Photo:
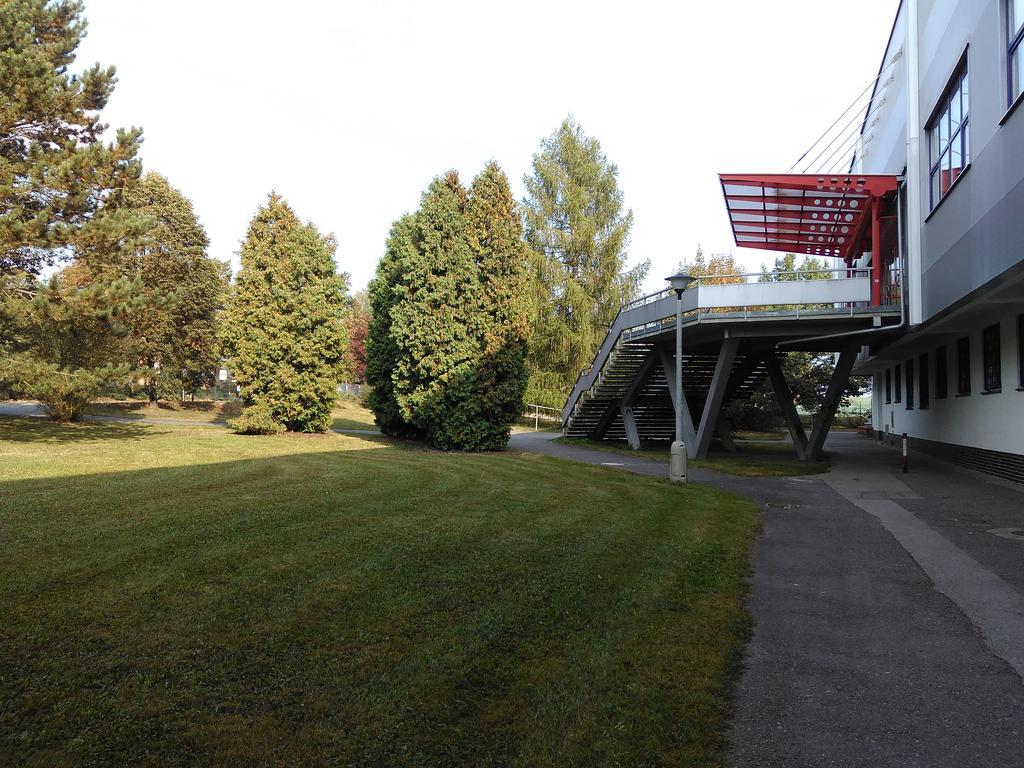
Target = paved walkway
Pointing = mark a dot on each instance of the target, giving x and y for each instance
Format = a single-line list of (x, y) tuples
[(887, 618)]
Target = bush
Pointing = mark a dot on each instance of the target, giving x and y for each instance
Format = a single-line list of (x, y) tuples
[(256, 420)]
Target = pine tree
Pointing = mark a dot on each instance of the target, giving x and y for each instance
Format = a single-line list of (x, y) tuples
[(578, 235), (63, 339), (496, 236), (55, 172), (381, 347), (283, 329), (175, 340)]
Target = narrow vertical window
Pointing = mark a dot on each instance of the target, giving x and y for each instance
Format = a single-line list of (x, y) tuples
[(963, 366), (941, 373), (948, 145), (1020, 351), (910, 384), (991, 358), (1014, 49), (923, 389), (897, 390), (888, 383)]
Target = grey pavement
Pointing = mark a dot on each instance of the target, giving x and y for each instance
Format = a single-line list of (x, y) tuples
[(885, 615)]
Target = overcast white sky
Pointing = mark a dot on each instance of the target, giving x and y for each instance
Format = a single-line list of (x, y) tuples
[(349, 109)]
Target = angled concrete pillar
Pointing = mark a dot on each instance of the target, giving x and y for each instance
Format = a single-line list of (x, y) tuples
[(836, 387), (689, 433), (716, 395), (629, 423), (785, 399)]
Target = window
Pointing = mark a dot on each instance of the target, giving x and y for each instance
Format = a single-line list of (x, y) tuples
[(898, 388), (1020, 351), (963, 366), (941, 374), (923, 392), (948, 144), (910, 385), (1015, 51), (888, 383), (991, 361)]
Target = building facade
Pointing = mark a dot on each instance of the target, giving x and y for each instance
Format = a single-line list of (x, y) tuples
[(953, 378)]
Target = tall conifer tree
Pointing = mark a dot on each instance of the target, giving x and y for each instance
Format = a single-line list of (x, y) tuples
[(578, 235), (55, 172), (283, 329), (381, 347), (175, 338), (447, 341), (496, 235)]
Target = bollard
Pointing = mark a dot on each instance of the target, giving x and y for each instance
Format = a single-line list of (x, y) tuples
[(904, 453)]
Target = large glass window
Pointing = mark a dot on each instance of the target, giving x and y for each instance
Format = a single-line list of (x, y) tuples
[(923, 393), (897, 390), (991, 358), (888, 383), (1015, 51), (948, 140), (963, 366), (941, 373)]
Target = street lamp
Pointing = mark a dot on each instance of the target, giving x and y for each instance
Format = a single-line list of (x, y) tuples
[(677, 459)]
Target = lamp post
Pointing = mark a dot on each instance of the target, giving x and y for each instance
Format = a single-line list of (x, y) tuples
[(677, 459)]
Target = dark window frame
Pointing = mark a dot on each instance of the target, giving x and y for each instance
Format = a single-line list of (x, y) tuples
[(923, 385), (888, 383), (957, 87), (897, 388), (1020, 351), (963, 367), (1015, 36), (909, 365), (991, 359), (941, 372)]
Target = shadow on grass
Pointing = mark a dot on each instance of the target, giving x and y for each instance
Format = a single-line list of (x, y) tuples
[(35, 429), (365, 607), (214, 411)]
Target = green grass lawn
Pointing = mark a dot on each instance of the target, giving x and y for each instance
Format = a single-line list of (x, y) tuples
[(180, 595), (773, 459), (348, 412)]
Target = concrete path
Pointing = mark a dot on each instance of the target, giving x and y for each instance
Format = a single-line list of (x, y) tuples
[(885, 614)]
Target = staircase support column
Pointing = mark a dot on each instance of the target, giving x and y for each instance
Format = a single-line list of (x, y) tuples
[(716, 394), (836, 387), (689, 434), (629, 423), (785, 399)]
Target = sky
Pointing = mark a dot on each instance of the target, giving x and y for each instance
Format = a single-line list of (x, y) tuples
[(349, 109)]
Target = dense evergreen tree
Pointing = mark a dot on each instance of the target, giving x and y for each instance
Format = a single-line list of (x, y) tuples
[(578, 234), (496, 236), (174, 340), (382, 351), (283, 329), (448, 334), (63, 339), (55, 173), (437, 322)]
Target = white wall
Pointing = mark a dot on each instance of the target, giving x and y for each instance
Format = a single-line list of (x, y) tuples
[(994, 421)]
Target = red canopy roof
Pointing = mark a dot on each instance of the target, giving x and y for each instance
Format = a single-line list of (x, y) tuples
[(802, 213)]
